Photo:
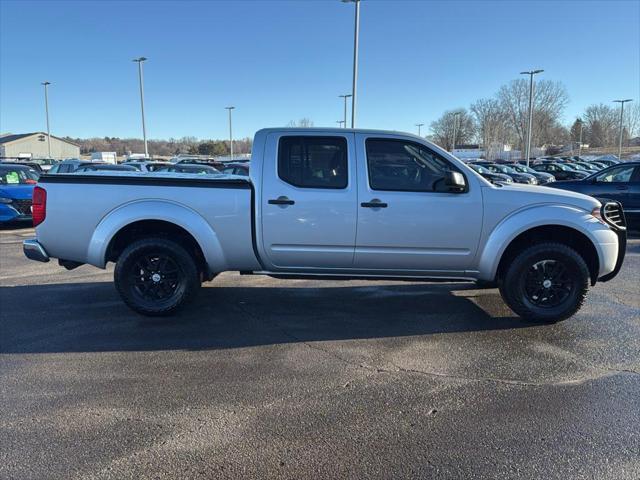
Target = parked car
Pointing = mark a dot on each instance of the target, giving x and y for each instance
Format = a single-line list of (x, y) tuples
[(542, 177), (238, 168), (16, 190), (45, 163), (489, 175), (508, 170), (148, 166), (71, 165), (560, 170), (212, 162), (30, 164), (608, 160), (619, 182), (189, 168), (104, 167), (403, 208), (598, 165)]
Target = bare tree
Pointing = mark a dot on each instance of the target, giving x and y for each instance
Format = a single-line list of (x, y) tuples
[(602, 123), (492, 127), (443, 128), (302, 123), (549, 101), (632, 120)]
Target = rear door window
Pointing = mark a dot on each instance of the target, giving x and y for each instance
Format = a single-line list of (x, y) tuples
[(313, 162)]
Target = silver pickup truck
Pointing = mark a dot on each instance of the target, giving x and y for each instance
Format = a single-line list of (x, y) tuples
[(331, 203)]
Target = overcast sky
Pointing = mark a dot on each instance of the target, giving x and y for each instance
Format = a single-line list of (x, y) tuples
[(278, 61)]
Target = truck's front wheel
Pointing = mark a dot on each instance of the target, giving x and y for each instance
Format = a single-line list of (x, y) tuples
[(547, 282), (156, 277)]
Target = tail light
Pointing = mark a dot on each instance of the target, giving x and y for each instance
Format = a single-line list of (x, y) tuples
[(39, 205)]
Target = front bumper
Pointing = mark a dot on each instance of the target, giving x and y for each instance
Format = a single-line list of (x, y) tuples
[(618, 224), (34, 251)]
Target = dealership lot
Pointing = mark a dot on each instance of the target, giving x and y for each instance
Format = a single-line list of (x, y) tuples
[(293, 379)]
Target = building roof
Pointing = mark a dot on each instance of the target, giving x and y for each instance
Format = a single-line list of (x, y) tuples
[(18, 136)]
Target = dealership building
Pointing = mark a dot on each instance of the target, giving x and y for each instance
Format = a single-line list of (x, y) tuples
[(35, 145)]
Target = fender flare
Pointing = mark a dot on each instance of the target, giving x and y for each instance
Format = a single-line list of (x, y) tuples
[(539, 216), (162, 210)]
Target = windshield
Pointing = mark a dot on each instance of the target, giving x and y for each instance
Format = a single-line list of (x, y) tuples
[(479, 169), (524, 169), (18, 176)]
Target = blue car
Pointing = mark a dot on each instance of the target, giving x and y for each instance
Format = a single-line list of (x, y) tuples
[(16, 190)]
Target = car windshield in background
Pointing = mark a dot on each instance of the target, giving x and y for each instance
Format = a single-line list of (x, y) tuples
[(480, 169), (523, 169), (17, 176)]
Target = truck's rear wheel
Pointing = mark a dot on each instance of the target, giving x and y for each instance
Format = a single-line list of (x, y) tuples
[(547, 282), (156, 277)]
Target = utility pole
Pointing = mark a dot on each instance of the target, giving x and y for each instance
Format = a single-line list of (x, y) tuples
[(144, 128), (354, 86), (621, 102), (419, 125), (230, 131), (46, 109), (528, 145), (345, 107), (580, 138)]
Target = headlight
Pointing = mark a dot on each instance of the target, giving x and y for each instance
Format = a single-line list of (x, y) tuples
[(533, 181), (5, 200)]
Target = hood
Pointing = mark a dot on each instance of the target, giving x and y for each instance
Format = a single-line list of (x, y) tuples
[(17, 192), (515, 196)]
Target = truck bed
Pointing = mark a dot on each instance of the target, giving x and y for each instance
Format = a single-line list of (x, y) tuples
[(84, 211)]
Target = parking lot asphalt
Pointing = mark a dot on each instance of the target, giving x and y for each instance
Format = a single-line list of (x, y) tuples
[(265, 378)]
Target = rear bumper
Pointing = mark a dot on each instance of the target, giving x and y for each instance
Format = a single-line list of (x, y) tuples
[(34, 251)]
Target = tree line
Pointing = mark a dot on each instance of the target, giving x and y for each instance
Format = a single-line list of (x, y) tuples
[(503, 118), (164, 148)]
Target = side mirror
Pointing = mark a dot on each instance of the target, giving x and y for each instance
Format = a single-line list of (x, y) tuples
[(454, 181)]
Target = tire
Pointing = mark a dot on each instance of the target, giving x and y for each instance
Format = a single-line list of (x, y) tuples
[(546, 283), (156, 277)]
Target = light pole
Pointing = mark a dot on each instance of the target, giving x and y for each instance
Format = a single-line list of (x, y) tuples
[(580, 138), (356, 34), (621, 102), (455, 130), (144, 127), (230, 131), (345, 107), (528, 145), (46, 109), (340, 123), (419, 125)]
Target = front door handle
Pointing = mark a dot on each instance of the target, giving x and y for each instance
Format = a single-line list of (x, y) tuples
[(375, 203), (282, 200)]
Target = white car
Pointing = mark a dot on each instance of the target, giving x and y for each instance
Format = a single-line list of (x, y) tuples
[(332, 203)]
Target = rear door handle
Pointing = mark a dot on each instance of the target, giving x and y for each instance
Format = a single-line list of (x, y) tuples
[(281, 201), (375, 203)]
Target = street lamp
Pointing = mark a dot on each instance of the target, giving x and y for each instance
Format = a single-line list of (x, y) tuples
[(46, 109), (531, 74), (580, 137), (621, 102), (419, 125), (144, 128), (356, 34), (345, 107), (230, 131), (455, 130), (340, 123)]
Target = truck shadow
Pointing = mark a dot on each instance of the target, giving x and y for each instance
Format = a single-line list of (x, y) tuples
[(89, 317)]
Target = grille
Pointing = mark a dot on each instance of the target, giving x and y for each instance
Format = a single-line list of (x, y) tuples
[(22, 206), (613, 215)]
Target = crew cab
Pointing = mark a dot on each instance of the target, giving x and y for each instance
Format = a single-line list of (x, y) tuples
[(331, 204)]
